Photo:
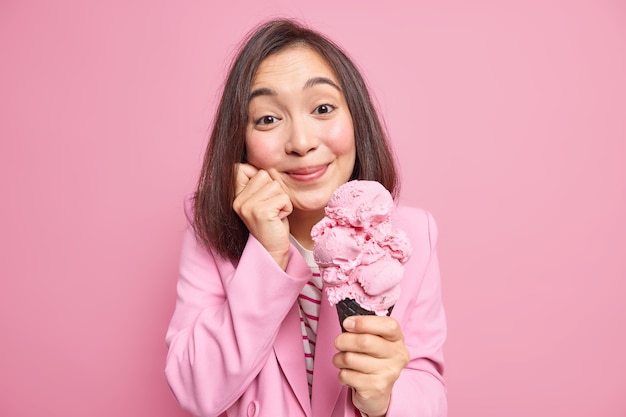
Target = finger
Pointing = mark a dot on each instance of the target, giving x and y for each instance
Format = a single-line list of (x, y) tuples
[(276, 176), (261, 187), (355, 361), (383, 326), (359, 381), (244, 172), (350, 378), (263, 199), (270, 203), (365, 343), (286, 208), (248, 189)]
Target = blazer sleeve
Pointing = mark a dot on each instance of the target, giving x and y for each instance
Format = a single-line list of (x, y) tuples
[(225, 322), (420, 391)]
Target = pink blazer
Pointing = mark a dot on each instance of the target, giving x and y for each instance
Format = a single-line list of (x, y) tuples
[(235, 342)]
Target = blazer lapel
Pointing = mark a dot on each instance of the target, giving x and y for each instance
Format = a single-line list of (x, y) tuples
[(287, 345), (326, 388)]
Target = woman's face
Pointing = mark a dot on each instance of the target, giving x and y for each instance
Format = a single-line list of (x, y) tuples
[(299, 127)]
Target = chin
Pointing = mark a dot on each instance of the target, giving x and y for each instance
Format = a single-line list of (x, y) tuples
[(310, 206), (312, 200)]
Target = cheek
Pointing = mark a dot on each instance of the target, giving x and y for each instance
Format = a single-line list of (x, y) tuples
[(340, 137), (260, 151)]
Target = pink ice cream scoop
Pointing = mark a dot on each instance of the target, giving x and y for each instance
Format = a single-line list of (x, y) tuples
[(360, 254), (360, 204)]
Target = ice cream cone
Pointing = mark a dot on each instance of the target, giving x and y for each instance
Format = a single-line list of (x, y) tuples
[(348, 307)]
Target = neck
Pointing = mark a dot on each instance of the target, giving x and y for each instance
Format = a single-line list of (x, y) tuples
[(300, 224)]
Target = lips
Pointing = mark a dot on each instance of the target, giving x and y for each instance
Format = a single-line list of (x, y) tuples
[(308, 173)]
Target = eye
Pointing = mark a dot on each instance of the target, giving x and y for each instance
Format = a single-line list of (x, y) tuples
[(323, 109), (266, 120)]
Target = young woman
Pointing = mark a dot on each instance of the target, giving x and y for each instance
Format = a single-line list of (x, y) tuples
[(252, 334)]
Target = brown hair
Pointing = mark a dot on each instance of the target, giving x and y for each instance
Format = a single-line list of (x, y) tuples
[(215, 222)]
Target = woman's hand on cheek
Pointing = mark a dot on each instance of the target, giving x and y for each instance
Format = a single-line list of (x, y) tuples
[(263, 206), (371, 356)]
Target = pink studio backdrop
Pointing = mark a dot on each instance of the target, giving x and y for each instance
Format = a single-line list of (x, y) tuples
[(509, 121)]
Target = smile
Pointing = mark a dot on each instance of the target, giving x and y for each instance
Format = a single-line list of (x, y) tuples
[(308, 173)]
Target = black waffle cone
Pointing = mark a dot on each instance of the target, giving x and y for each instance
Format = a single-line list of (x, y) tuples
[(348, 307)]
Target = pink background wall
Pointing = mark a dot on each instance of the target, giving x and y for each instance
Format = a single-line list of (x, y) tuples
[(509, 120)]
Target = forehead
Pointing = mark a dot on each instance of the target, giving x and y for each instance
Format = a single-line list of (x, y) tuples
[(293, 62)]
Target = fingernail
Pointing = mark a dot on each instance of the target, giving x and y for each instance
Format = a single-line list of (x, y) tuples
[(348, 323)]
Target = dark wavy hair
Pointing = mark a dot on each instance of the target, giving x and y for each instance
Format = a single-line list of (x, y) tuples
[(215, 222)]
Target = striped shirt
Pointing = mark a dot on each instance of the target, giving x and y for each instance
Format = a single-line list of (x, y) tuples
[(309, 302)]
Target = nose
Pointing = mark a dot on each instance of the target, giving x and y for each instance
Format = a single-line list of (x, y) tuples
[(302, 138)]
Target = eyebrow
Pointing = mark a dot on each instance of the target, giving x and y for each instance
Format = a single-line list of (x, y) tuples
[(309, 84), (320, 80), (262, 92)]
